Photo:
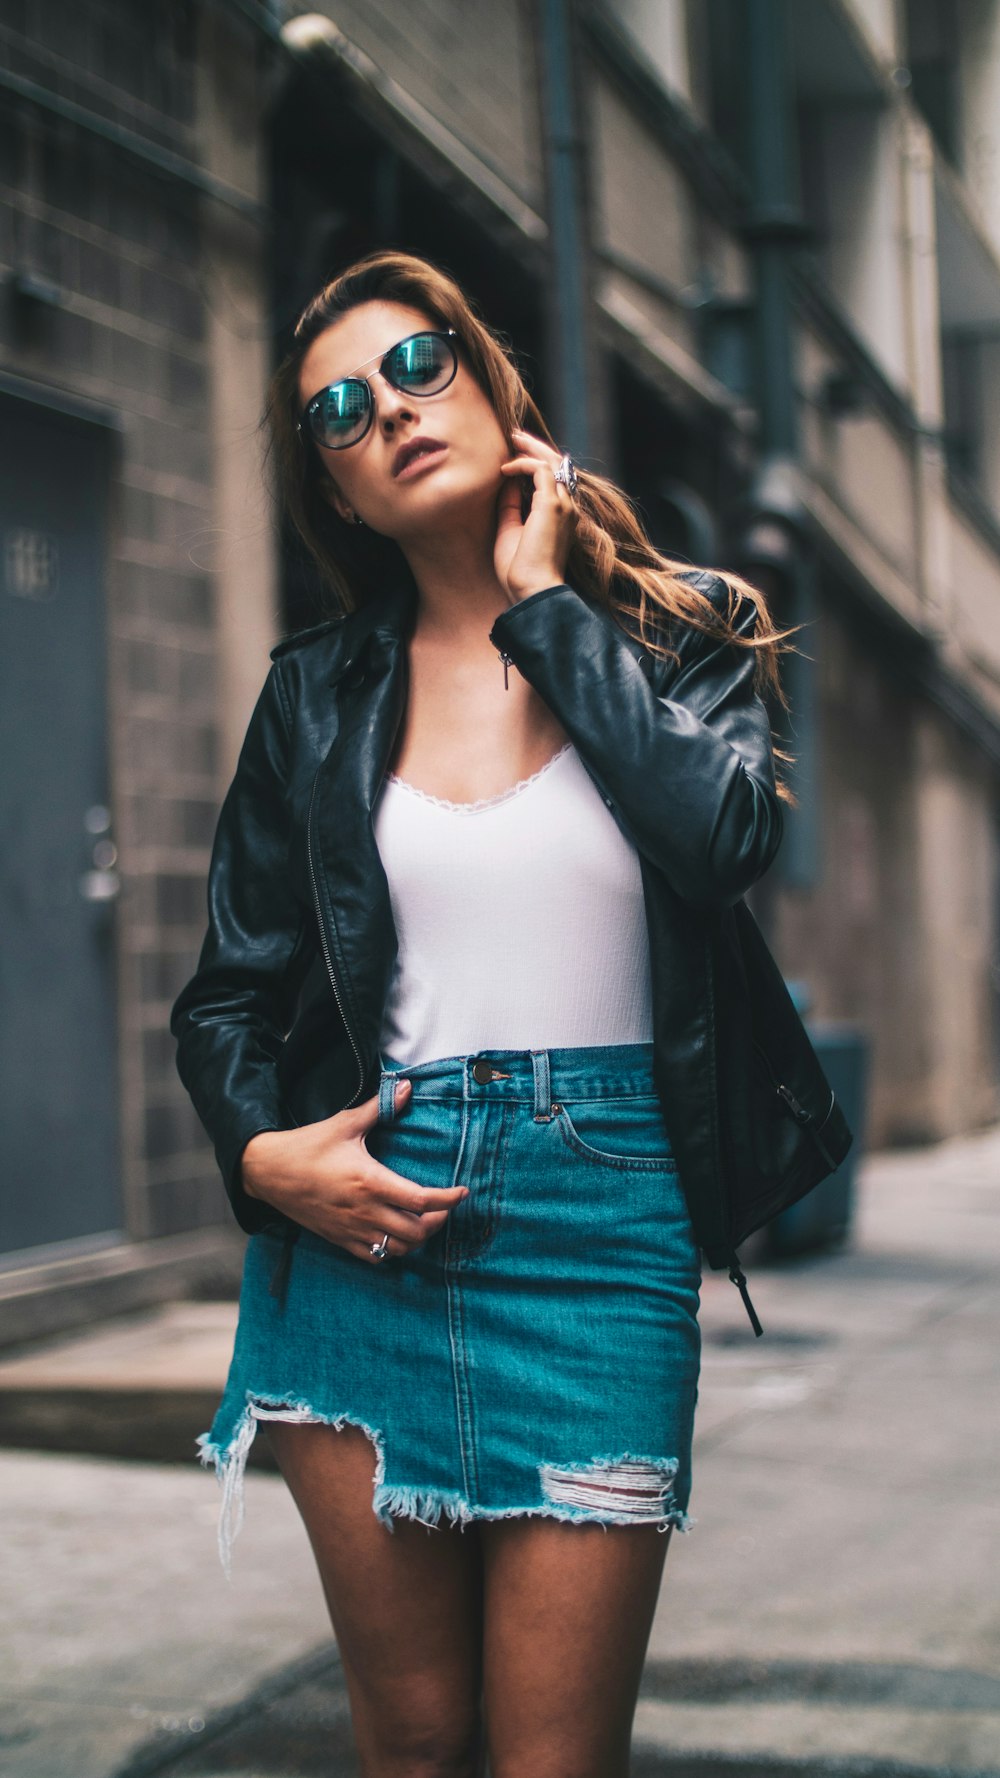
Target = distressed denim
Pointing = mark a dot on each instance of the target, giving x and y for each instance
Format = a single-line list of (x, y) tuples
[(540, 1353)]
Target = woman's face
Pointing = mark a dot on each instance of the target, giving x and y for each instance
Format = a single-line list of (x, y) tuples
[(458, 481)]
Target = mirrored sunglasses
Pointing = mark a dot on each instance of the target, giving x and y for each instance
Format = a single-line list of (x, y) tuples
[(342, 413)]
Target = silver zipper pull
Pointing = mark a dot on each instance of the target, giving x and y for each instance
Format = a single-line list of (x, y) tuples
[(799, 1112)]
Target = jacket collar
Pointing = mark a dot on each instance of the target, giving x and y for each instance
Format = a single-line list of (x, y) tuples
[(390, 614)]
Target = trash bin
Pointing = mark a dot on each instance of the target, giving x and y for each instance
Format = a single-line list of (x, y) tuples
[(823, 1217)]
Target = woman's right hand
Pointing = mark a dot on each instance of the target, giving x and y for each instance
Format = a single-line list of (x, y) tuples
[(322, 1176)]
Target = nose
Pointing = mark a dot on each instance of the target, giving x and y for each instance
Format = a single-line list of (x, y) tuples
[(391, 405)]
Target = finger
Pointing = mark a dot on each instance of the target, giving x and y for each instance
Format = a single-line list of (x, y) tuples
[(400, 1241), (416, 1227), (405, 1230), (362, 1250), (401, 1224), (403, 1194), (539, 444), (541, 473), (526, 464), (551, 459), (356, 1249), (550, 455)]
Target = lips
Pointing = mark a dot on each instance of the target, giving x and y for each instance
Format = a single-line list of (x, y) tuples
[(415, 448)]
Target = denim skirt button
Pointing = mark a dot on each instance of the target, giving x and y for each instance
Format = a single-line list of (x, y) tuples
[(482, 1072)]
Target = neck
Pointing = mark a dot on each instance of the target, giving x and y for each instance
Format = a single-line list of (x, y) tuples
[(458, 593)]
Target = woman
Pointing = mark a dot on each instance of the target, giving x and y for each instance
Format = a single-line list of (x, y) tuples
[(424, 1028)]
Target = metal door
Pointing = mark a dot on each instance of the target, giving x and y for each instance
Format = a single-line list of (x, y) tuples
[(59, 1169)]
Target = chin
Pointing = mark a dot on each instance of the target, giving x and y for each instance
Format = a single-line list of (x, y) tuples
[(445, 495)]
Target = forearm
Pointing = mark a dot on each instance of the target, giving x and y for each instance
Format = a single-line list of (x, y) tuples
[(234, 1089), (230, 1019)]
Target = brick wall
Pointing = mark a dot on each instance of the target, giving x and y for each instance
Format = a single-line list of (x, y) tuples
[(128, 327)]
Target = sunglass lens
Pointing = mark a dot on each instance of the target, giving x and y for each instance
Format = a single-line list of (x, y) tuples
[(422, 364), (340, 414)]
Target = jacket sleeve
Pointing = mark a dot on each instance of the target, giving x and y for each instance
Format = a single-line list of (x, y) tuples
[(688, 774), (231, 1018)]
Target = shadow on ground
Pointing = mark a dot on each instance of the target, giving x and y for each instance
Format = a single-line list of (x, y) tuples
[(297, 1724)]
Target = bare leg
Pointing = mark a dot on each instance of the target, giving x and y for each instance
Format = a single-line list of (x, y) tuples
[(406, 1609), (567, 1615)]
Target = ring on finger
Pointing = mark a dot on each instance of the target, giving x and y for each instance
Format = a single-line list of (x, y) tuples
[(566, 473), (379, 1249)]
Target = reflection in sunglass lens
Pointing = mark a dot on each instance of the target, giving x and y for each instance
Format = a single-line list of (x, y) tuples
[(340, 412), (420, 362)]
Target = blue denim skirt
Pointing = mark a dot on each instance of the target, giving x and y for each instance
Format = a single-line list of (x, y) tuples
[(540, 1353)]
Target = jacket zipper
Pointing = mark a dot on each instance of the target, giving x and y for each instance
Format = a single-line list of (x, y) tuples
[(326, 949), (737, 1275), (798, 1110), (801, 1116), (282, 1270)]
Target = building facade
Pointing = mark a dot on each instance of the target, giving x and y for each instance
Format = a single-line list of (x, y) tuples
[(749, 255)]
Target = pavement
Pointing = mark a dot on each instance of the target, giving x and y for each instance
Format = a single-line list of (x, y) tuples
[(835, 1609)]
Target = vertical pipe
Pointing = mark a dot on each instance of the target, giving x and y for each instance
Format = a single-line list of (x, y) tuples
[(773, 222), (773, 229), (568, 299)]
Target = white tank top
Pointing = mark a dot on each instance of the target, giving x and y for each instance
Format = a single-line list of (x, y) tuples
[(520, 918)]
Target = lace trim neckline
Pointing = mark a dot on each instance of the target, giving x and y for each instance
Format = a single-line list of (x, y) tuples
[(482, 802)]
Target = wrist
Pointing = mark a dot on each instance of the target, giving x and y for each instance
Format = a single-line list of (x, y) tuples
[(254, 1163), (536, 583)]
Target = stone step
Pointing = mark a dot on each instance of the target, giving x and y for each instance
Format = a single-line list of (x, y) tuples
[(57, 1290), (141, 1386)]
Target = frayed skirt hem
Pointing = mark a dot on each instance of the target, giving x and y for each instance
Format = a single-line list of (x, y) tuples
[(425, 1506)]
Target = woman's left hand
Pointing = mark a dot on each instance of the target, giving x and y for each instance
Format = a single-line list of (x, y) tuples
[(532, 553)]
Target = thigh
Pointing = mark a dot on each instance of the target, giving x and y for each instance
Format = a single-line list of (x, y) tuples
[(568, 1609), (405, 1603)]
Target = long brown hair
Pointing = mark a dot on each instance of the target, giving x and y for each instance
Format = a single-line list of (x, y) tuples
[(611, 559)]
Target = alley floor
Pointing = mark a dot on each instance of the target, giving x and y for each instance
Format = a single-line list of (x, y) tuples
[(835, 1609)]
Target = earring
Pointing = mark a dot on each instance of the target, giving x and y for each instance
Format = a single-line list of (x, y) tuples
[(358, 520)]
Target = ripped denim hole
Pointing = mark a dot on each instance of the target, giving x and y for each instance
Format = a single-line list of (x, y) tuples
[(622, 1490)]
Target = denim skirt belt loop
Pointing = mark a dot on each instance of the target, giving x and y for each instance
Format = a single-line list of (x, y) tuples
[(539, 1354)]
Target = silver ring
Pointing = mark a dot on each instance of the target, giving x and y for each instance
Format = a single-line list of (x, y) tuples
[(566, 473), (379, 1249)]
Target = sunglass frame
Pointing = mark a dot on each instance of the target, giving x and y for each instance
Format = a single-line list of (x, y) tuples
[(304, 425)]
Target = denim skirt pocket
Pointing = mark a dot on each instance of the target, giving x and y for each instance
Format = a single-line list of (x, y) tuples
[(626, 1132)]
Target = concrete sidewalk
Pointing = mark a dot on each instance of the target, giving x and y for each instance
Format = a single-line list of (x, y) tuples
[(839, 1597), (835, 1609)]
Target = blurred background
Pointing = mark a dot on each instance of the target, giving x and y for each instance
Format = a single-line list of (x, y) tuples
[(748, 255)]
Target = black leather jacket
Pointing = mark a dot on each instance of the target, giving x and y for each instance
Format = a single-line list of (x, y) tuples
[(280, 1024)]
